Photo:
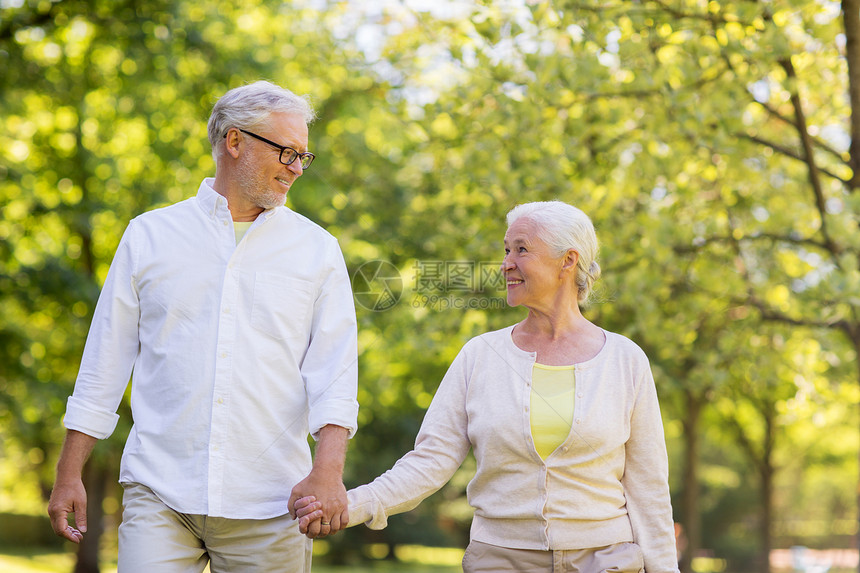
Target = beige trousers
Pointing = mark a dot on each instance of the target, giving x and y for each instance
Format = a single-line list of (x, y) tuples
[(156, 539), (618, 558)]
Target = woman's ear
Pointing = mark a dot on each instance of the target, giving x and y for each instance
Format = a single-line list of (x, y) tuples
[(571, 258)]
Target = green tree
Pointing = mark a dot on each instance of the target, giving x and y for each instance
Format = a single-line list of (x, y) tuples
[(712, 144), (742, 119), (104, 109)]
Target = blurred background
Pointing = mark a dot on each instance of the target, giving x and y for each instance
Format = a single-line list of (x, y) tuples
[(713, 143)]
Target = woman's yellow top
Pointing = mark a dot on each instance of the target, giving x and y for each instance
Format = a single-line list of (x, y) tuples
[(551, 406)]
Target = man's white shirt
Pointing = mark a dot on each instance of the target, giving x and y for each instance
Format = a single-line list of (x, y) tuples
[(237, 352)]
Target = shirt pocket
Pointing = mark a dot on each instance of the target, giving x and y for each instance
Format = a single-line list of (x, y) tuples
[(281, 306)]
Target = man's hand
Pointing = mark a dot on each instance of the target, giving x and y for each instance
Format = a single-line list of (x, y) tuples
[(69, 498), (325, 485), (332, 504)]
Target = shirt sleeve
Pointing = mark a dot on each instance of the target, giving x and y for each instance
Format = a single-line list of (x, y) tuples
[(441, 446), (646, 481), (330, 365), (110, 351)]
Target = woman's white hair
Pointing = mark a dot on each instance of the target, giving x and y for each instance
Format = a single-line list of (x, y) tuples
[(563, 227), (250, 105)]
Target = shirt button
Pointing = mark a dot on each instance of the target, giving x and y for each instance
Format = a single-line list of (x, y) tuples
[(579, 420), (579, 395), (227, 310), (220, 400)]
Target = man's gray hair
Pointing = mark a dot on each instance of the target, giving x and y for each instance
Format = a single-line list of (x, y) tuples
[(562, 227), (248, 106)]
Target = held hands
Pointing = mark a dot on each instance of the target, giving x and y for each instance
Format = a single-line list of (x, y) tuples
[(323, 486), (309, 512), (320, 505)]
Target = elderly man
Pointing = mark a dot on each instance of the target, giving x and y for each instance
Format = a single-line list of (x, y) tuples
[(235, 315)]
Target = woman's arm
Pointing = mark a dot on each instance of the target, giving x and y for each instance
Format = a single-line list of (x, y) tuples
[(440, 447), (646, 481)]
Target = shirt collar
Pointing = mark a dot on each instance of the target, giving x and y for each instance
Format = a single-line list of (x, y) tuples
[(211, 201)]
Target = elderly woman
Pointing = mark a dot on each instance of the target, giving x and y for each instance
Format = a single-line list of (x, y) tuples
[(563, 418)]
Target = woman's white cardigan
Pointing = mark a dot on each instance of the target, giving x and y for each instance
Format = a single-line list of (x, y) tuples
[(607, 483)]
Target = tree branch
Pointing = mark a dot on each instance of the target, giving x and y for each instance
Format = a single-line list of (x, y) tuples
[(746, 444), (714, 18), (28, 20), (680, 249), (770, 314), (818, 143), (851, 20), (803, 132), (782, 150), (658, 91)]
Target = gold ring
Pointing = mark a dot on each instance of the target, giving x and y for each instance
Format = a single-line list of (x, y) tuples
[(324, 523)]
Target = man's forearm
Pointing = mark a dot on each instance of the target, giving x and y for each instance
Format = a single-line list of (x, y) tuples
[(69, 496), (330, 454), (77, 447)]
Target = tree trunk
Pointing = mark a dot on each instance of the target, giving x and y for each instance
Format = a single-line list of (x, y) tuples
[(767, 471), (854, 334), (851, 23), (691, 534), (766, 518), (95, 481), (856, 340)]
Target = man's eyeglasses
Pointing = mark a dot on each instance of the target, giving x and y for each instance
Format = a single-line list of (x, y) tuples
[(288, 154)]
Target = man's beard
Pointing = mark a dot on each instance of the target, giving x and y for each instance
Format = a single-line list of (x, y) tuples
[(254, 187), (265, 198)]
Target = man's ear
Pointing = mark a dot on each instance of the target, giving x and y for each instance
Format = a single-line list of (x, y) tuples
[(231, 142)]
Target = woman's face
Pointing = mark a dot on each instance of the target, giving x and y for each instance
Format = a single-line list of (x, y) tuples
[(532, 274)]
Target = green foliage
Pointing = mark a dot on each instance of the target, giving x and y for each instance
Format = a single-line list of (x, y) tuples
[(729, 246), (28, 531)]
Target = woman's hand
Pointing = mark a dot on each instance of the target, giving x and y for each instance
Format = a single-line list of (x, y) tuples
[(307, 510)]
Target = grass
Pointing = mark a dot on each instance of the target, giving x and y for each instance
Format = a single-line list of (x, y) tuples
[(36, 560), (33, 560), (388, 568)]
